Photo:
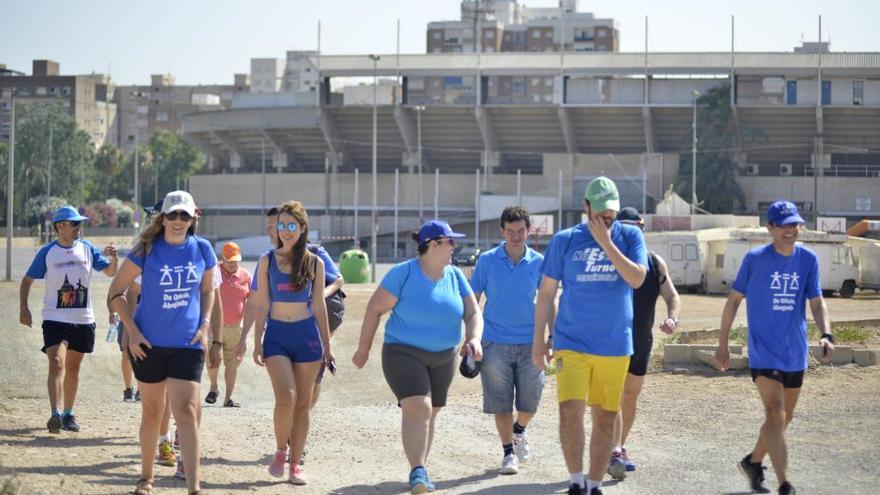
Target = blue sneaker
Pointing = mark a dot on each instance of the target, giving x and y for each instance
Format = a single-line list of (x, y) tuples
[(616, 468), (68, 423), (419, 482), (629, 463)]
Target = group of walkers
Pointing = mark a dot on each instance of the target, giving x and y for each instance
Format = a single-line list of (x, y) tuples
[(194, 308)]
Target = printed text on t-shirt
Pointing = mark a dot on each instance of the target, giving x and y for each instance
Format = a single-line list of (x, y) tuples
[(177, 289), (784, 287), (598, 267)]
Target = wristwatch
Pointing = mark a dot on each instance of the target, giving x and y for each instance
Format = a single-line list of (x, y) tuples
[(827, 336)]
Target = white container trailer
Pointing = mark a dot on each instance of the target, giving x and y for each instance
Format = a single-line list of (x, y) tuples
[(683, 256), (867, 255)]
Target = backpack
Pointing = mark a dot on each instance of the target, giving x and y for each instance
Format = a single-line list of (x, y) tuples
[(335, 302)]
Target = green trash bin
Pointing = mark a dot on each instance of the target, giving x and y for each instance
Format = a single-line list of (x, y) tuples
[(354, 265)]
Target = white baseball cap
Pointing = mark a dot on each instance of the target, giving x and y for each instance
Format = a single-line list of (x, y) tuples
[(179, 200)]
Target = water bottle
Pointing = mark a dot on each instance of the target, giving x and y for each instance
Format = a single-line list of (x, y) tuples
[(113, 331)]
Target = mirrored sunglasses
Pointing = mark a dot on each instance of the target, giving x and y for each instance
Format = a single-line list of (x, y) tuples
[(290, 227)]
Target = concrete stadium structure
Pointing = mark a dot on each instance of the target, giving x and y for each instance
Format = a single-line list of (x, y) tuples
[(627, 115)]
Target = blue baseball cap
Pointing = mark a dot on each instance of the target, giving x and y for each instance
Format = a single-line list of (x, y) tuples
[(435, 229), (67, 214), (783, 213)]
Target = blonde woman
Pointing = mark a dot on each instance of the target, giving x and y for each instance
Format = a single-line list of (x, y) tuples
[(168, 333), (290, 293)]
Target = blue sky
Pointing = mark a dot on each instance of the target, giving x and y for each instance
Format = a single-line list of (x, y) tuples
[(202, 41)]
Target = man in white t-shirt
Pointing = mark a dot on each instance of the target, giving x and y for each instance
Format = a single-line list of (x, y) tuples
[(66, 264)]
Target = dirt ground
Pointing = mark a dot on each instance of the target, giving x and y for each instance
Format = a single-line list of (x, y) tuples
[(693, 426)]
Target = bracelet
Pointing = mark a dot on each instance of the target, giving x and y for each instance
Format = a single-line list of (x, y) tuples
[(217, 342), (828, 337), (116, 295)]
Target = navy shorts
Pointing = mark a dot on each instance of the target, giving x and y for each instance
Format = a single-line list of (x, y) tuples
[(79, 337), (299, 341), (788, 379)]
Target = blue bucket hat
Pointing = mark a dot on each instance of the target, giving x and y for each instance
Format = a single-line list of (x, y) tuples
[(67, 214), (783, 213), (435, 229)]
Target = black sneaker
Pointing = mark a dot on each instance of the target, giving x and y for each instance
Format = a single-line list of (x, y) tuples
[(68, 422), (128, 395), (54, 424), (137, 396), (231, 403), (575, 489), (754, 472), (786, 489), (596, 491)]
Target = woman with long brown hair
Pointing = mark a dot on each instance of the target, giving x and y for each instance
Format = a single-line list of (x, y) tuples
[(290, 293), (167, 335)]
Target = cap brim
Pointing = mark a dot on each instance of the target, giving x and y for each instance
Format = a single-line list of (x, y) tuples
[(78, 218), (455, 234), (237, 257), (791, 219)]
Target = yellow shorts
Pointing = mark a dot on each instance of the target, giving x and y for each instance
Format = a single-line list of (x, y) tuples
[(578, 373), (231, 338)]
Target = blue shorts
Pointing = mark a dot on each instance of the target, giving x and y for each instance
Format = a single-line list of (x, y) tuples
[(509, 376), (299, 341)]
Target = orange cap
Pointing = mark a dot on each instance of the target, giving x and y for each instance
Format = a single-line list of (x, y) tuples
[(231, 251)]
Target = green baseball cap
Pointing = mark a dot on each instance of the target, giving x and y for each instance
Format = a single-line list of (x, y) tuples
[(602, 194)]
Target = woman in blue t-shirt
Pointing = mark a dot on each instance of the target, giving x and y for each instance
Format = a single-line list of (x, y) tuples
[(168, 333), (290, 279), (428, 299)]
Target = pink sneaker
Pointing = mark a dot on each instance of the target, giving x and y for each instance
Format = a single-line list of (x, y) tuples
[(298, 475), (276, 469)]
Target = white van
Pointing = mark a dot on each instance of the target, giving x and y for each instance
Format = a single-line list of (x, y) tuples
[(683, 256)]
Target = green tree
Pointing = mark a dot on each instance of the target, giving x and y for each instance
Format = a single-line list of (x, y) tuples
[(173, 160), (719, 139)]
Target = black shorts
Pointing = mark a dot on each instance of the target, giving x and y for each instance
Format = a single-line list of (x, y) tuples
[(643, 341), (788, 379), (79, 337), (411, 371), (169, 362)]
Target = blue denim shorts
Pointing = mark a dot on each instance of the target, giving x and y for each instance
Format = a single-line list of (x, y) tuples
[(299, 341), (509, 376)]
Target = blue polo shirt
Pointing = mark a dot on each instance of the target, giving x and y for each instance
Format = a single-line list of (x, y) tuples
[(509, 315), (595, 311), (777, 289)]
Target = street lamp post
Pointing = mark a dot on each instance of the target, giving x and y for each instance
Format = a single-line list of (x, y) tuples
[(137, 192), (10, 179), (419, 109), (694, 157), (375, 58)]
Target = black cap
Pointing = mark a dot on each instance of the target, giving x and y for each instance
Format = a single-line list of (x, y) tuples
[(469, 367), (630, 215)]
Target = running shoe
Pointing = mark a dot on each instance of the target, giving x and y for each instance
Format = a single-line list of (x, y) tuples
[(754, 472), (276, 469), (575, 489), (521, 447), (510, 464), (166, 454), (137, 396), (128, 395), (616, 468), (596, 491), (786, 489), (54, 423), (297, 475), (68, 423), (180, 473), (212, 396), (419, 482), (231, 403), (629, 463)]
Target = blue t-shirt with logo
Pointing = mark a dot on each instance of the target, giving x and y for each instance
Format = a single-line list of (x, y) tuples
[(777, 288), (509, 314), (427, 314), (169, 313), (595, 310)]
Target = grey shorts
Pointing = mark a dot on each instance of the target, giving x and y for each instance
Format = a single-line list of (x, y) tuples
[(510, 378), (411, 371)]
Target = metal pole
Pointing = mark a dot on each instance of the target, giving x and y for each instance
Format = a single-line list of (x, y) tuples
[(156, 184), (357, 240), (436, 193), (398, 93), (263, 174), (49, 179), (820, 158), (319, 91), (694, 158), (421, 182), (518, 187), (559, 194), (477, 210), (375, 224), (396, 200), (10, 187), (644, 191)]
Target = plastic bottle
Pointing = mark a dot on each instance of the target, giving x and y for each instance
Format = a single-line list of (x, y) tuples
[(113, 331)]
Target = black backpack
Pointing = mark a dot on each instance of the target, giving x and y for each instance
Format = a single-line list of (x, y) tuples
[(335, 303)]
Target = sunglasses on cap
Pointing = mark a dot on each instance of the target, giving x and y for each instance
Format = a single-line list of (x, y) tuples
[(174, 215), (290, 227)]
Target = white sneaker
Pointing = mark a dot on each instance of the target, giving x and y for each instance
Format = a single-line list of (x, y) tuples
[(510, 464), (521, 447)]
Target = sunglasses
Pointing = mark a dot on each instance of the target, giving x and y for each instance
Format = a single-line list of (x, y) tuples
[(290, 227), (174, 215), (73, 223)]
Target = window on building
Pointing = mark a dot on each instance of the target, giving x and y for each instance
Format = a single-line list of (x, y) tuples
[(161, 116), (437, 35), (858, 92), (548, 81), (24, 91), (53, 90), (490, 35), (536, 81), (601, 32), (548, 34), (40, 91), (65, 91), (536, 34)]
